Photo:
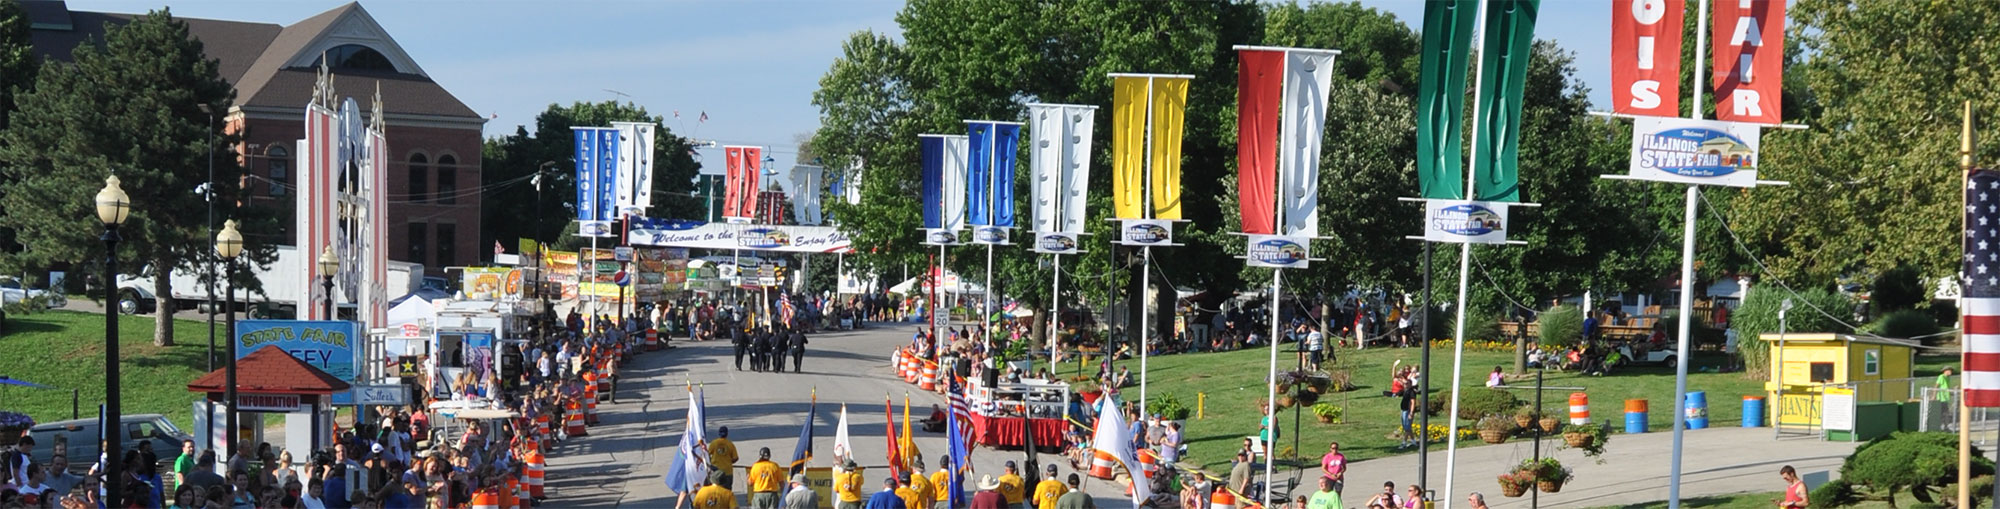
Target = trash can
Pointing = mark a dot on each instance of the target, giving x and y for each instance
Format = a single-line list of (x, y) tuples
[(1696, 410), (1635, 416), (1753, 411)]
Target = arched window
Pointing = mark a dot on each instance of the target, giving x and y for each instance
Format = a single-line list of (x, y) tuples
[(280, 169), (420, 174), (355, 56), (447, 188)]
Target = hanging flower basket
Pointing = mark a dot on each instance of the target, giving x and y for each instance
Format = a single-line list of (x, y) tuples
[(1517, 483), (1549, 486), (1493, 436), (1577, 439)]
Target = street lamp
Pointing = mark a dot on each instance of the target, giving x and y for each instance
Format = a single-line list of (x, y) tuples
[(113, 206), (328, 265), (229, 244), (1778, 428)]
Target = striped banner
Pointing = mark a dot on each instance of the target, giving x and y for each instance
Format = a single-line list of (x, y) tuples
[(1981, 305)]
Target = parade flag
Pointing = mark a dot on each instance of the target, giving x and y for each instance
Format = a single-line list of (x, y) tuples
[(1646, 57), (895, 449), (1982, 289), (1111, 437), (955, 148), (842, 449), (1749, 53), (1448, 30), (690, 466), (1259, 89), (803, 452), (961, 412), (956, 433), (1509, 45), (908, 440), (1308, 75)]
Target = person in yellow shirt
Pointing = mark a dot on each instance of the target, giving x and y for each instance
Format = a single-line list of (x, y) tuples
[(941, 482), (765, 480), (903, 490), (1011, 485), (926, 493), (715, 494), (1049, 490), (722, 452), (847, 487)]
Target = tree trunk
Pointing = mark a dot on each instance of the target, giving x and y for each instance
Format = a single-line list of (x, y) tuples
[(163, 303), (1521, 351)]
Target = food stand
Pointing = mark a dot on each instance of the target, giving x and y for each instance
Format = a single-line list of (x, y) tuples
[(1000, 414)]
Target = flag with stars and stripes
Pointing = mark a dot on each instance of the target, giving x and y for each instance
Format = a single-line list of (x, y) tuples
[(1981, 302), (961, 412)]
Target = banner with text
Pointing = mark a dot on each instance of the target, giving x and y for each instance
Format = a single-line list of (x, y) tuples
[(1146, 232), (1689, 151), (1460, 221), (1277, 251), (698, 234), (324, 344), (1646, 57), (1055, 243)]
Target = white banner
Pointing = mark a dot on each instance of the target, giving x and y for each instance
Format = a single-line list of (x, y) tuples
[(955, 158), (851, 184), (806, 183), (940, 237), (635, 166), (1055, 243), (1076, 175), (1460, 221), (1146, 232), (696, 234), (1277, 251), (1060, 159), (1045, 163), (989, 235), (1307, 78), (1689, 151)]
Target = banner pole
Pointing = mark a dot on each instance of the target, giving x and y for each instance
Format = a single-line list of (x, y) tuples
[(1271, 390), (1145, 321), (1055, 309), (1965, 163), (1687, 272), (986, 301), (1464, 268)]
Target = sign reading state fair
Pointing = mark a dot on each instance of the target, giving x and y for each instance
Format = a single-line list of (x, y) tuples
[(1460, 221), (1145, 232), (1690, 151), (1055, 243), (1277, 251)]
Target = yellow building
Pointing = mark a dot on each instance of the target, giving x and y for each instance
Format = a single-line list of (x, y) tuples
[(1806, 366)]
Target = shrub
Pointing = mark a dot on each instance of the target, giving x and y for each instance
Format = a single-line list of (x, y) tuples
[(1896, 290), (1328, 410), (1835, 493), (1913, 461), (1759, 315), (1560, 326), (1483, 401), (1168, 406), (1906, 323)]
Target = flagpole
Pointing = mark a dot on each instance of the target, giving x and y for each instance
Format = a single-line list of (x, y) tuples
[(1055, 310), (1687, 272), (1464, 268), (1965, 163), (1146, 271), (1271, 386)]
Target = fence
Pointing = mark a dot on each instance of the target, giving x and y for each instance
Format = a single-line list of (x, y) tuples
[(1860, 410)]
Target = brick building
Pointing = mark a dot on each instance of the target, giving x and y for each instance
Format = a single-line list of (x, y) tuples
[(434, 139)]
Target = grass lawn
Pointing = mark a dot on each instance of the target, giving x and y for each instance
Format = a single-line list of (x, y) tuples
[(1765, 499), (65, 350), (1230, 383)]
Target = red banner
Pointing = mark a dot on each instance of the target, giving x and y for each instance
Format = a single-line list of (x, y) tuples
[(1749, 60), (732, 174), (1259, 91), (1646, 57), (753, 162)]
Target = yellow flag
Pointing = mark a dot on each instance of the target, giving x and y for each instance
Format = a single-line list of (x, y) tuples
[(1169, 113), (909, 442), (1128, 146)]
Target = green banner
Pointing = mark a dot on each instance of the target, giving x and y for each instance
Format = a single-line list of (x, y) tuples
[(1448, 28), (1509, 45)]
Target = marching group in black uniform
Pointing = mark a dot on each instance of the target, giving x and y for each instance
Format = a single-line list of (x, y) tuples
[(767, 347)]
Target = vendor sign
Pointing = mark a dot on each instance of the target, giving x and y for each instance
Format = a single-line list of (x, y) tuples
[(325, 344), (1690, 151)]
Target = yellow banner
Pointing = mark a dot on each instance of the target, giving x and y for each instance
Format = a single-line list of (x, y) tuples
[(1128, 146), (1169, 113)]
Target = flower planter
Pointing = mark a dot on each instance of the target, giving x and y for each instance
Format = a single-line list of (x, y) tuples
[(1523, 421), (1577, 440), (1551, 424), (1325, 419), (1549, 486), (1512, 490), (1492, 436)]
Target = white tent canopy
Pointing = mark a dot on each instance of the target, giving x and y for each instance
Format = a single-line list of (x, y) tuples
[(417, 311), (952, 284)]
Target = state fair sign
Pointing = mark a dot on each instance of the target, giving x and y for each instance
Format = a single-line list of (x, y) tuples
[(1690, 151)]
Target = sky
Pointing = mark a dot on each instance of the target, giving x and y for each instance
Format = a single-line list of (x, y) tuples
[(752, 65)]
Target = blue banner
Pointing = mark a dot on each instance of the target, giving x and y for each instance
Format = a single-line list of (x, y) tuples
[(979, 174), (1006, 143), (324, 344), (932, 169), (586, 173), (607, 173)]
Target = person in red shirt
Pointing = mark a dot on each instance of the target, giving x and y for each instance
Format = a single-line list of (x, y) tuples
[(989, 496), (1795, 490)]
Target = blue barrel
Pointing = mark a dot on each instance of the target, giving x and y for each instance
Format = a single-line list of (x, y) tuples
[(1635, 416), (1753, 411), (1695, 410)]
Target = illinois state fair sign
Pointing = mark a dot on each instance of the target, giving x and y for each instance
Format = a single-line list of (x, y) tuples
[(1146, 232), (989, 235), (1690, 151), (940, 237), (685, 233), (325, 344), (1277, 251), (1460, 221), (1055, 243)]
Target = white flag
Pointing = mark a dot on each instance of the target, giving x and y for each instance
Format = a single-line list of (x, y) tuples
[(842, 450), (851, 184), (1114, 439), (956, 150), (1045, 153), (1076, 166), (635, 166), (1308, 74), (805, 180)]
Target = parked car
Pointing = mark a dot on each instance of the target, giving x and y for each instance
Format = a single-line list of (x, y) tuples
[(81, 437), (12, 291)]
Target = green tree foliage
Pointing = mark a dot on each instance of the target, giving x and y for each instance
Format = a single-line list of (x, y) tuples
[(1905, 324), (1813, 310), (18, 66), (1912, 461), (1560, 326), (1895, 290), (512, 161), (130, 105)]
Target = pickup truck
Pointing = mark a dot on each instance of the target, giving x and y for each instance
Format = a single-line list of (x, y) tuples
[(12, 291), (280, 298)]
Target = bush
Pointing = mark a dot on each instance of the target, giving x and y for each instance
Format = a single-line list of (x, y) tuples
[(29, 305), (1759, 315), (1835, 493), (1168, 406), (1896, 290), (1906, 323), (1912, 461), (1482, 402), (1328, 410), (1560, 326)]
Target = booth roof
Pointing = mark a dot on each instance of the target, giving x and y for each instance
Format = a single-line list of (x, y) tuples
[(271, 370)]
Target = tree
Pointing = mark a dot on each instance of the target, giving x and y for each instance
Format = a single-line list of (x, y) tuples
[(130, 106), (18, 66), (512, 205)]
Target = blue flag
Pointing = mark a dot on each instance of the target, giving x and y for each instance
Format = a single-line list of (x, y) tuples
[(979, 174), (607, 173), (803, 452), (932, 148), (586, 172), (690, 464), (960, 456), (1006, 142)]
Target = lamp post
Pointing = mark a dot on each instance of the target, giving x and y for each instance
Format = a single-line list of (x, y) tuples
[(1778, 428), (229, 244), (112, 208), (328, 264)]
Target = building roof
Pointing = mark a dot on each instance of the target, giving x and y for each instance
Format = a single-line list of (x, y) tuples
[(1847, 338), (269, 63), (271, 370)]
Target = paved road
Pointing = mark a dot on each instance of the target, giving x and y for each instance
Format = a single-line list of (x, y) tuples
[(621, 463)]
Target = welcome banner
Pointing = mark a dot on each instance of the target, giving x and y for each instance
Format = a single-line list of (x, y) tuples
[(705, 235)]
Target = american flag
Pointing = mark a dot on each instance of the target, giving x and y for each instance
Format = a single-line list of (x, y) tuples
[(960, 411), (1982, 289)]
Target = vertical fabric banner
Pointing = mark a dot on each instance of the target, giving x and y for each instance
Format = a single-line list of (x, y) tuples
[(635, 166), (607, 173), (1076, 166), (931, 171), (805, 194), (1045, 164), (852, 183), (751, 170), (586, 173), (979, 174), (1982, 291), (628, 168), (1128, 146), (1448, 29), (1749, 53), (732, 163), (1259, 90), (315, 220), (1646, 57), (1509, 41), (1308, 74), (1169, 114), (1006, 155), (955, 148)]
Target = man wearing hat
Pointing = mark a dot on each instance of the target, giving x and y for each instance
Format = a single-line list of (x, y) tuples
[(715, 494), (1049, 490), (1012, 486), (989, 496), (1075, 499), (765, 481), (887, 498), (801, 496), (926, 493), (847, 486)]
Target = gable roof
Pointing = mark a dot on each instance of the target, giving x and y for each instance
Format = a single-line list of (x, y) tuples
[(271, 370), (267, 62)]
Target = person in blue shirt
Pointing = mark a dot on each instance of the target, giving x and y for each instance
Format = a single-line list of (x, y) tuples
[(1589, 325), (336, 489), (887, 499)]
